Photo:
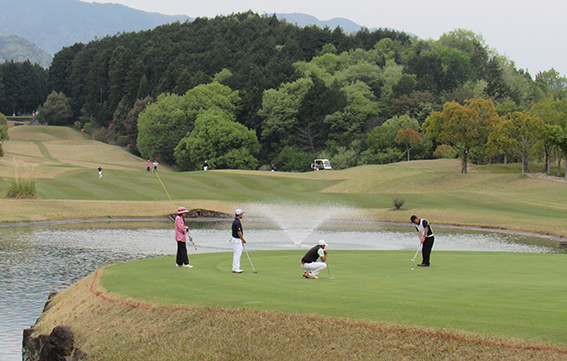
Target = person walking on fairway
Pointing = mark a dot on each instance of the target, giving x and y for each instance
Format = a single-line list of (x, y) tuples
[(148, 165), (237, 240), (309, 261), (426, 238), (99, 171), (155, 165), (181, 231)]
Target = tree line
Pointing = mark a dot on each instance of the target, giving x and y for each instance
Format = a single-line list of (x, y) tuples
[(244, 90)]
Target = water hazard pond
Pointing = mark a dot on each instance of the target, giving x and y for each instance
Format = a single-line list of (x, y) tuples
[(38, 260)]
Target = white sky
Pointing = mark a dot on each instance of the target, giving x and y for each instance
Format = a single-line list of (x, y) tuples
[(530, 32)]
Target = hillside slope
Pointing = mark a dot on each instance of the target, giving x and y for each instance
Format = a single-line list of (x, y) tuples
[(13, 47), (64, 163)]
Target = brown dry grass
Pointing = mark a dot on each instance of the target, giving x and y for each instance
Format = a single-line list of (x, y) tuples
[(22, 210), (128, 330)]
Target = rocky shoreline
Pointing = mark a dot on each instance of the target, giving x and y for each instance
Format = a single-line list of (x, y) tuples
[(57, 346)]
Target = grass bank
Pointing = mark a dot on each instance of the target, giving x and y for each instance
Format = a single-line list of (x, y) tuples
[(468, 306)]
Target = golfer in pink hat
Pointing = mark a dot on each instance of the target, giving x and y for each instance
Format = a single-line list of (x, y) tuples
[(180, 236)]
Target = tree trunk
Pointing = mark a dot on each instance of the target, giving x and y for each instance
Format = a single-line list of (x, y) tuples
[(505, 160), (465, 160), (559, 159), (547, 161)]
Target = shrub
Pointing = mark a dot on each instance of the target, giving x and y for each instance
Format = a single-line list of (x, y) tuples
[(293, 159), (445, 151), (398, 202), (344, 158), (22, 188), (104, 135)]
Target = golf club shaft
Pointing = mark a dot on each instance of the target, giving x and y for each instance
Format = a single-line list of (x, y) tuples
[(419, 246), (329, 271), (416, 252), (251, 264)]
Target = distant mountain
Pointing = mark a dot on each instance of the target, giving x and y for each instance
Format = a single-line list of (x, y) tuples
[(306, 20), (53, 24), (13, 47)]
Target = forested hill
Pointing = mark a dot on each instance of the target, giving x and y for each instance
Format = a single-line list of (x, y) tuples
[(53, 24), (13, 47), (247, 89)]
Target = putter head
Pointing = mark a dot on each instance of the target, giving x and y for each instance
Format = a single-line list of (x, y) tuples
[(331, 278), (413, 260)]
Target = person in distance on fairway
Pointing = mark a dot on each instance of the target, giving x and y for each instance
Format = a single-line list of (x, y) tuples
[(181, 231), (309, 264), (426, 237), (237, 240), (148, 165), (99, 171)]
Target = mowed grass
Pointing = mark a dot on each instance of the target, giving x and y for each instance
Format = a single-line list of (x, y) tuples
[(496, 294)]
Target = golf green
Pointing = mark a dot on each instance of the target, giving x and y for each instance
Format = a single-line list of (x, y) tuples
[(502, 294)]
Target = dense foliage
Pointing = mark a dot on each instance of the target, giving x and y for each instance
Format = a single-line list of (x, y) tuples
[(371, 97), (23, 87)]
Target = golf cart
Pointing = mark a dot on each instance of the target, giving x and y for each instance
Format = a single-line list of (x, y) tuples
[(321, 164)]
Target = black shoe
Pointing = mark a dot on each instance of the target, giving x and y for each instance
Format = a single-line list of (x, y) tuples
[(423, 265)]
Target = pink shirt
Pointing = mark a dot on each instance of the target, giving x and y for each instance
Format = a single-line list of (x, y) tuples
[(180, 229)]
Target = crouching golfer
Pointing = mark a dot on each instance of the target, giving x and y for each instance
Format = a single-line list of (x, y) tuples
[(309, 264), (426, 237), (180, 231), (237, 240)]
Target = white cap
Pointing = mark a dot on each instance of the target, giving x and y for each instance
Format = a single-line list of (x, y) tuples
[(322, 243), (239, 211)]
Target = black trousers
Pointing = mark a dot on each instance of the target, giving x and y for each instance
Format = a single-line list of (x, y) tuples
[(426, 249), (182, 257)]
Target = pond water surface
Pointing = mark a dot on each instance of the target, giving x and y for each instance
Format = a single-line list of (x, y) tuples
[(38, 260)]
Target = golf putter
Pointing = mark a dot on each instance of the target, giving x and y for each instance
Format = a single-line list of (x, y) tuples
[(418, 247), (245, 250), (328, 270)]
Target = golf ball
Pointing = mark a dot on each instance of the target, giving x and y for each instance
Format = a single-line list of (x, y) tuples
[(412, 269)]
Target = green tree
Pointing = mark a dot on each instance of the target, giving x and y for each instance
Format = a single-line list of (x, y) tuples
[(349, 123), (57, 110), (522, 132), (224, 143), (409, 139), (552, 113), (3, 132), (293, 159), (280, 110), (465, 127), (551, 82), (164, 123)]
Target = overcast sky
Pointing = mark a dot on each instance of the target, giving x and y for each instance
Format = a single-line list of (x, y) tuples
[(531, 33)]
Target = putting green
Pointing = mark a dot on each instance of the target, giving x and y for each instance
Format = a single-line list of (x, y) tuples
[(503, 294)]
